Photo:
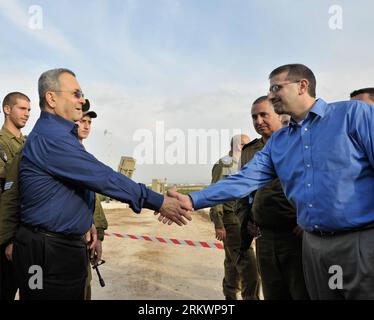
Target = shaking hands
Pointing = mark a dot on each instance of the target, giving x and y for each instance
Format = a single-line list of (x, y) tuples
[(176, 208)]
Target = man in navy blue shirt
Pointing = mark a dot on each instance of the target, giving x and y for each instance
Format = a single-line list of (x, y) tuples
[(325, 162), (58, 180)]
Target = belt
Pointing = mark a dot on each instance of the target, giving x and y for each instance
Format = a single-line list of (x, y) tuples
[(59, 235), (322, 233)]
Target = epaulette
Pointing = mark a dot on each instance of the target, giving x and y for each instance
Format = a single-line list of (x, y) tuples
[(250, 143), (226, 161)]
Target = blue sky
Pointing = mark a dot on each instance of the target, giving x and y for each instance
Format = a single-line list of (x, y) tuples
[(192, 64)]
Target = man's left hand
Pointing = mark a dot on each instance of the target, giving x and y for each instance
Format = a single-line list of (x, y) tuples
[(9, 251), (298, 231), (96, 253), (91, 237)]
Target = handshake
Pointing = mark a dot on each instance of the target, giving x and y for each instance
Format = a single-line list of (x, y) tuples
[(176, 208)]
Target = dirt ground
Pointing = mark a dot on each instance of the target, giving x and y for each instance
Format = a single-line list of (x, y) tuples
[(138, 269)]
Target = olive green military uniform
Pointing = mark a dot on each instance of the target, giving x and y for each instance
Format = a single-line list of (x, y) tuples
[(10, 145), (9, 210), (240, 274), (278, 249)]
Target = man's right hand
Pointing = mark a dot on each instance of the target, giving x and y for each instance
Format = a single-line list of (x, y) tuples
[(184, 204), (9, 251), (220, 234), (173, 210), (185, 200)]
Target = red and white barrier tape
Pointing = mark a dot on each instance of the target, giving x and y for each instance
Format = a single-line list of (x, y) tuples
[(203, 244)]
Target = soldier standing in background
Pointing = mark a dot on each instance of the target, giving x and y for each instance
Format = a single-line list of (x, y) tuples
[(100, 222), (16, 108), (241, 276)]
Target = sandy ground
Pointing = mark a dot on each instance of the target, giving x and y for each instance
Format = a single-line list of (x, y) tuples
[(138, 269)]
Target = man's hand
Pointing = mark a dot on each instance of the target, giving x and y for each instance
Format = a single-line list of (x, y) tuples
[(185, 200), (96, 253), (220, 234), (172, 210), (298, 231), (184, 203), (9, 251), (91, 237)]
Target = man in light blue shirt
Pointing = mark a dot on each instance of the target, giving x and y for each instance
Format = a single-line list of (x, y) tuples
[(325, 162)]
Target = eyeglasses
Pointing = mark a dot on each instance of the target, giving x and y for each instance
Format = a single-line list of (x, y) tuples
[(77, 93), (277, 87)]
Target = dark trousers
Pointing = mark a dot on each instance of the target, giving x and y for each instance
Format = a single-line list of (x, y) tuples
[(8, 284), (279, 258), (347, 257), (63, 263)]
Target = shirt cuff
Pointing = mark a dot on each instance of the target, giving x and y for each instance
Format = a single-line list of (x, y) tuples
[(154, 200), (100, 234), (197, 199)]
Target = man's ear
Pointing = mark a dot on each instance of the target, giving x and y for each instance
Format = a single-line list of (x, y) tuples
[(50, 98), (304, 86), (7, 109)]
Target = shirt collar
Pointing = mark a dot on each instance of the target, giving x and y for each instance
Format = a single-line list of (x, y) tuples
[(62, 123), (318, 109), (10, 135)]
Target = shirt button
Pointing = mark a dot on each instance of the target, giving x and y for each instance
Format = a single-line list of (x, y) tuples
[(306, 129), (308, 165), (316, 226), (309, 185), (310, 205), (306, 147)]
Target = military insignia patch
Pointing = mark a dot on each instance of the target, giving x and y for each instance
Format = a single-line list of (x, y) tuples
[(227, 161), (3, 155), (8, 185)]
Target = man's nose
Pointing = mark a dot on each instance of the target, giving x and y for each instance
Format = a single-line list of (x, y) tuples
[(259, 121), (271, 95)]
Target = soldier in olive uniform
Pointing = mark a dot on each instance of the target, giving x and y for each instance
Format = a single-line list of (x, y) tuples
[(240, 275), (273, 220), (16, 108), (100, 222)]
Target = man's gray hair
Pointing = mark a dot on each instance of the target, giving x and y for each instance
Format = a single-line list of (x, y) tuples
[(49, 81)]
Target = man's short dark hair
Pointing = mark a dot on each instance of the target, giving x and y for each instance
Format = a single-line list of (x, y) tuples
[(260, 100), (297, 72), (370, 91), (11, 98)]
